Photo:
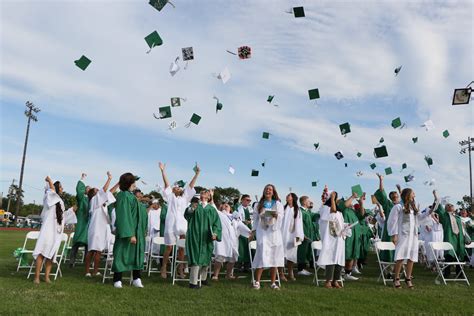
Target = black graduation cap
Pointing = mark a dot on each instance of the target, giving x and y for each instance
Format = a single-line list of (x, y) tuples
[(339, 155)]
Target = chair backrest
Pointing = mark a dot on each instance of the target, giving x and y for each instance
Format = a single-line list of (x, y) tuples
[(32, 235), (159, 240), (253, 244), (317, 245), (71, 237), (440, 245), (64, 237), (384, 245), (470, 246), (181, 243)]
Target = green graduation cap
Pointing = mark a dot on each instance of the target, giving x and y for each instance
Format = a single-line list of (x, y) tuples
[(446, 134), (195, 119), (219, 106), (263, 163), (381, 140), (316, 146), (396, 123), (429, 161), (372, 166), (165, 112), (270, 98), (265, 135), (153, 39), (388, 171), (313, 93), (158, 4), (404, 166), (357, 189), (298, 12), (415, 140), (409, 178), (180, 183), (254, 173), (345, 128), (359, 154), (314, 183), (82, 62), (195, 168), (380, 152)]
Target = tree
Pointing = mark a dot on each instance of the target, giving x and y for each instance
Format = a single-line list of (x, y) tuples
[(226, 195), (465, 203), (68, 199)]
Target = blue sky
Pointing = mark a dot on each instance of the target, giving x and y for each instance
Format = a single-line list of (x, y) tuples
[(101, 119)]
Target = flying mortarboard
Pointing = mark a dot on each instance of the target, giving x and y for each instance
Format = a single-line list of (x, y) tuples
[(316, 146), (380, 152), (345, 128), (263, 163), (265, 135), (409, 178), (164, 112), (314, 183), (153, 39), (397, 70), (339, 155), (429, 161), (244, 52), (396, 123), (231, 170), (254, 173), (388, 171), (428, 125), (381, 140), (404, 166), (159, 4), (174, 67), (313, 94), (219, 105), (176, 101), (359, 154), (415, 140), (357, 189), (462, 96), (194, 119), (373, 166), (298, 12), (188, 53), (82, 62), (224, 75), (270, 98), (446, 134), (345, 164)]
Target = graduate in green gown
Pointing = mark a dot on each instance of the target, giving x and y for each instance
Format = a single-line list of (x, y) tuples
[(366, 234), (130, 230), (242, 213), (387, 205), (304, 250), (82, 214), (203, 229)]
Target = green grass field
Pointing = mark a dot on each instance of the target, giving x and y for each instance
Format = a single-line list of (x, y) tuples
[(74, 294)]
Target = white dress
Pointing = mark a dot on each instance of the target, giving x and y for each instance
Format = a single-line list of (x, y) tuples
[(269, 240), (333, 244), (99, 232), (153, 227), (227, 250), (49, 238), (406, 227), (291, 229), (435, 235), (175, 223)]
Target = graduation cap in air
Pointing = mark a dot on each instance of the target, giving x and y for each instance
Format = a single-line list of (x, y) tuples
[(396, 123), (313, 94), (164, 113), (298, 12), (430, 182), (373, 166), (172, 125), (153, 39), (270, 98), (219, 105), (381, 140), (159, 4), (397, 70), (462, 96), (415, 140), (188, 53), (263, 163), (254, 173), (428, 125), (359, 173), (429, 161), (244, 52), (404, 166), (83, 62), (339, 155), (176, 101), (409, 178), (231, 170), (446, 134), (388, 171), (174, 67), (224, 75), (316, 146), (265, 135), (345, 164), (359, 154), (195, 119), (345, 128), (314, 183), (380, 152), (357, 189)]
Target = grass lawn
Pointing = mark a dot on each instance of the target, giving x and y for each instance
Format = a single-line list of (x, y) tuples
[(74, 294)]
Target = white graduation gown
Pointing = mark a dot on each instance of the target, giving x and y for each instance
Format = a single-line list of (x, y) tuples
[(228, 247), (153, 227), (269, 240), (49, 239), (406, 227), (291, 229), (436, 234), (240, 213), (175, 223), (333, 247), (99, 232)]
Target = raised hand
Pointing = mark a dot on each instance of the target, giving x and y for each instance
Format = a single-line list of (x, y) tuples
[(83, 175), (47, 179), (162, 166), (109, 175), (380, 176)]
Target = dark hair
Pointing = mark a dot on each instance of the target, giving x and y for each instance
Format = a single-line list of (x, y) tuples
[(391, 194), (195, 200), (407, 204), (245, 196), (328, 201), (274, 197), (137, 191), (295, 204), (303, 199), (59, 211), (91, 193), (126, 181)]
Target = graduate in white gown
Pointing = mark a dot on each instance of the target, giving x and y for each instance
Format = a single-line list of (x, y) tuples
[(433, 233), (176, 225), (52, 227), (99, 232), (154, 213), (292, 234), (227, 250), (402, 226), (332, 254), (267, 221)]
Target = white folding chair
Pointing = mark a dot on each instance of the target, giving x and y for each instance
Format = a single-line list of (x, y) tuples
[(33, 235), (317, 246), (385, 265), (68, 247), (181, 243), (156, 243), (59, 258), (470, 246), (253, 246), (109, 259), (441, 265)]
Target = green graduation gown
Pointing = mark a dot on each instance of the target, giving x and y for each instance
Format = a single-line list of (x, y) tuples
[(203, 222), (304, 254), (457, 241), (353, 242), (366, 234), (82, 214), (244, 254), (387, 205), (131, 220), (164, 211)]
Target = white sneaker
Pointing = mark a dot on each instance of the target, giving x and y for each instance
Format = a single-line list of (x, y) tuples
[(118, 285), (275, 287), (304, 272), (350, 277), (88, 275), (98, 274), (256, 285), (356, 270), (137, 283)]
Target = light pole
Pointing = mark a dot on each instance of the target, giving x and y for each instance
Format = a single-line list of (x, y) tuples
[(30, 114), (466, 146)]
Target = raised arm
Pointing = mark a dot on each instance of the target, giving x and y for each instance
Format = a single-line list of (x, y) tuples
[(348, 202), (193, 180), (399, 188), (115, 187), (380, 181), (361, 203), (163, 174), (50, 183), (107, 183), (333, 202)]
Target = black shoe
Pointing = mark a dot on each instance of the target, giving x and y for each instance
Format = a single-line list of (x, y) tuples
[(205, 283), (194, 286)]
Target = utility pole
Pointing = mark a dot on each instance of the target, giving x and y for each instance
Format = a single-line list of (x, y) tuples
[(468, 147), (11, 194), (30, 114)]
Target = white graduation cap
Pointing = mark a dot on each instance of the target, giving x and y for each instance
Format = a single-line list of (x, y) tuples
[(428, 125), (224, 75), (231, 170), (430, 182), (445, 200), (174, 67), (172, 125)]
